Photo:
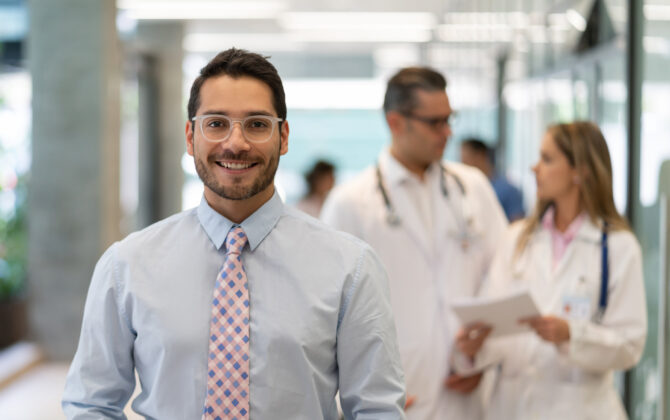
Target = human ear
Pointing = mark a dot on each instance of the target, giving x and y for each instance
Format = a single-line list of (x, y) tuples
[(395, 121), (283, 139), (189, 137)]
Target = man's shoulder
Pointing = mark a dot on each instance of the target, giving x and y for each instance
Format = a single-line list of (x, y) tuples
[(468, 174), (356, 185), (321, 234), (472, 178), (160, 232)]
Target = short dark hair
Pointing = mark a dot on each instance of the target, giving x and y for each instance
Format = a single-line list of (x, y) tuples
[(478, 146), (400, 90), (320, 168), (236, 63)]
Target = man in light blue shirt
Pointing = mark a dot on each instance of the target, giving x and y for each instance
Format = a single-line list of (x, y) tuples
[(319, 313)]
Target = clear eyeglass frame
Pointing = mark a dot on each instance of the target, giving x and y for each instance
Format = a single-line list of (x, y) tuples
[(435, 123), (250, 137)]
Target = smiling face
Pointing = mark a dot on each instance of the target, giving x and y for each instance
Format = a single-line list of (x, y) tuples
[(236, 170)]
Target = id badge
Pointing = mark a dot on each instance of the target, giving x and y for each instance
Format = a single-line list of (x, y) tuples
[(576, 307)]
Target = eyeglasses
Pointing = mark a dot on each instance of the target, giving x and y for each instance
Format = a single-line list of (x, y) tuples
[(255, 128), (436, 123)]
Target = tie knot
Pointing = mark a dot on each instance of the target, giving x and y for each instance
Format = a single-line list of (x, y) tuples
[(235, 240)]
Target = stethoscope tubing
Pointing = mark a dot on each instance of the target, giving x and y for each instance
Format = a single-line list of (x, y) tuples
[(392, 217)]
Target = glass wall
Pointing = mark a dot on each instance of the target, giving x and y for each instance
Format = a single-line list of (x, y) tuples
[(650, 392)]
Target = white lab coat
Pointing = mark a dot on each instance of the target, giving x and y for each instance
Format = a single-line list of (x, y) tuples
[(539, 380), (426, 270)]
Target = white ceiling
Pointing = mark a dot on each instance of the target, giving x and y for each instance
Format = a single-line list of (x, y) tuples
[(366, 38)]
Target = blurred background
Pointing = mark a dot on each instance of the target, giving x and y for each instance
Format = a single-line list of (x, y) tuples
[(93, 106)]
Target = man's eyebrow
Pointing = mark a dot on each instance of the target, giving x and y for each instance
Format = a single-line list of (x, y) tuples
[(246, 114)]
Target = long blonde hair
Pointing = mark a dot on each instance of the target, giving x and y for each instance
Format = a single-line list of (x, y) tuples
[(584, 146)]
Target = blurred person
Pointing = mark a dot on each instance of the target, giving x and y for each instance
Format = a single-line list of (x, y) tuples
[(475, 152), (435, 226), (320, 180), (583, 266), (241, 307)]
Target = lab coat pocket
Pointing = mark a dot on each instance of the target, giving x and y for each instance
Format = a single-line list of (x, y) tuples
[(577, 302)]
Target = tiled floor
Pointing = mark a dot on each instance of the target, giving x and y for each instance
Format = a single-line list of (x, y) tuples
[(36, 395)]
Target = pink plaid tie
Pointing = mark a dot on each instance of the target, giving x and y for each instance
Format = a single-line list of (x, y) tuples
[(228, 366)]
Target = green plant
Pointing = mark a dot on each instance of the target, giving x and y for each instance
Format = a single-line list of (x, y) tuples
[(13, 247)]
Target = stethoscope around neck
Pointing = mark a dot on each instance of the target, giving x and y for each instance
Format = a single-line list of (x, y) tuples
[(393, 219)]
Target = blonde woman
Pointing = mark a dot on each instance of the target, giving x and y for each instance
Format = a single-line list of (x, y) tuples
[(582, 265)]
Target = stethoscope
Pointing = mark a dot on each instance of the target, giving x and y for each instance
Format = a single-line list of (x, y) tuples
[(463, 220), (604, 273)]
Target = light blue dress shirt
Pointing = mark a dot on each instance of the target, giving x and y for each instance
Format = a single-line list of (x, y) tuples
[(320, 321)]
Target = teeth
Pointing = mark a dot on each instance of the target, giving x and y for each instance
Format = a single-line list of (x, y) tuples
[(231, 165)]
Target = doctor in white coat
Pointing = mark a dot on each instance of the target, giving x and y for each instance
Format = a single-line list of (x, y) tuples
[(583, 266), (435, 226)]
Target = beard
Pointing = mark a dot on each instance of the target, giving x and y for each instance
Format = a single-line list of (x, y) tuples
[(237, 191)]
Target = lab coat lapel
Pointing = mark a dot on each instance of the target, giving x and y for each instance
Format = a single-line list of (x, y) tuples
[(543, 261), (411, 221), (406, 208), (588, 233), (448, 226)]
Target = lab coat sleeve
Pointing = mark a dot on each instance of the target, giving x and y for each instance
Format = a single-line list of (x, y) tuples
[(497, 283), (618, 341), (101, 378), (492, 214), (370, 372)]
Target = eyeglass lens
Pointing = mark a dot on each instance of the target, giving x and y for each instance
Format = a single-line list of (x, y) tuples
[(254, 128)]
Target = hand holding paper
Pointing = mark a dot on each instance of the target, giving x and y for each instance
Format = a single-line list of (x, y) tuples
[(502, 314), (471, 338), (550, 328)]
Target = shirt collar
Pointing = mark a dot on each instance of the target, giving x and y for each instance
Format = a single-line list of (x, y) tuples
[(395, 173), (570, 232), (257, 226)]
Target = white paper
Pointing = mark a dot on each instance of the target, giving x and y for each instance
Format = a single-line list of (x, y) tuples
[(501, 313)]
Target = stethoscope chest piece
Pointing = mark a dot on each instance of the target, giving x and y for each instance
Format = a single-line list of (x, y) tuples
[(392, 218)]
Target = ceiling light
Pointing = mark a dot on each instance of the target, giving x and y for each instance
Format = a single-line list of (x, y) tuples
[(656, 12), (513, 19), (200, 9), (361, 35), (298, 21), (215, 42), (576, 19), (475, 33)]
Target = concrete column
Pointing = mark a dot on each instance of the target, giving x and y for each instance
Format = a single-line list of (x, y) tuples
[(74, 59), (162, 118)]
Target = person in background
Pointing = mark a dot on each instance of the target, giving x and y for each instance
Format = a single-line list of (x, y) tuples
[(242, 307), (320, 180), (435, 226), (475, 152), (583, 266)]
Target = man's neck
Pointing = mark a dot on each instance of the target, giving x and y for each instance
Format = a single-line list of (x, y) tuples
[(238, 210), (415, 168)]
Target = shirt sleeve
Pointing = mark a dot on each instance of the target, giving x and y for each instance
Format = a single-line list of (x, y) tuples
[(101, 378), (617, 341), (370, 372)]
